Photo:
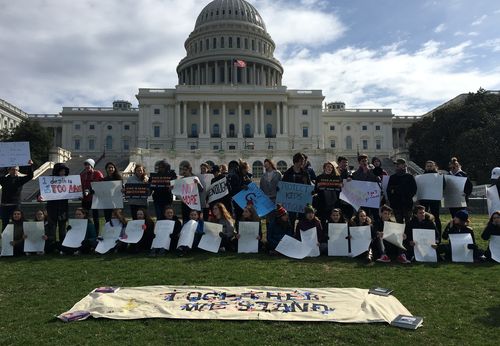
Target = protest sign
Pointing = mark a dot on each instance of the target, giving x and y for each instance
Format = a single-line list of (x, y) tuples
[(493, 199), (56, 188), (293, 248), (360, 239), (186, 237), (294, 197), (157, 180), (187, 190), (163, 230), (109, 237), (249, 232), (136, 191), (206, 180), (459, 249), (361, 194), (393, 233), (424, 239), (133, 232), (7, 237), (345, 305), (14, 154), (494, 247), (217, 190), (34, 232), (338, 244), (429, 186), (75, 236), (453, 195), (310, 239), (210, 241), (107, 195), (262, 204)]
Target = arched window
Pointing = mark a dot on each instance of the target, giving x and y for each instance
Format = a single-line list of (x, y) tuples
[(109, 142), (215, 130), (282, 166), (257, 169), (231, 130), (194, 130), (269, 130), (348, 143), (248, 130)]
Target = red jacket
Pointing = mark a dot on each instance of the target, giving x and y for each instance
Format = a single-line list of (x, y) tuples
[(87, 178)]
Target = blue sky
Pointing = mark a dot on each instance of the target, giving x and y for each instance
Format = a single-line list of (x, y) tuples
[(406, 55)]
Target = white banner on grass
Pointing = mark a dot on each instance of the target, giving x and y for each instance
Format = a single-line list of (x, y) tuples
[(53, 188), (210, 241), (163, 230), (493, 200), (76, 235), (424, 239), (338, 244), (217, 190), (453, 195), (187, 190), (495, 247), (109, 237), (310, 239), (249, 233), (34, 231), (429, 186), (107, 195), (361, 238), (459, 250), (133, 232), (7, 237), (293, 248), (186, 237), (14, 154), (361, 194), (393, 233)]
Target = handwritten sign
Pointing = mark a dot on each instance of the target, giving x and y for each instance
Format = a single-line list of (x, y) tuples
[(294, 197), (361, 194), (263, 205), (187, 190), (217, 190), (136, 191), (58, 188), (14, 154)]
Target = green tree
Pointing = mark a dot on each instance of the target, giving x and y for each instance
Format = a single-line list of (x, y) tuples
[(40, 139), (468, 130)]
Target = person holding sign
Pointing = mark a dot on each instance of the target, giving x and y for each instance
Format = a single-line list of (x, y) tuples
[(364, 173), (433, 206), (228, 235), (456, 170), (460, 225), (492, 229), (249, 214), (297, 175), (112, 174), (220, 181), (88, 176), (493, 191), (186, 171), (420, 220), (359, 220), (18, 241), (41, 216), (382, 249), (277, 229), (270, 179), (169, 214), (400, 191), (12, 185), (89, 242), (144, 245), (309, 223), (139, 178), (160, 185), (327, 188)]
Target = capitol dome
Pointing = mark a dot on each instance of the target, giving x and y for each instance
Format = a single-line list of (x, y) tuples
[(226, 32)]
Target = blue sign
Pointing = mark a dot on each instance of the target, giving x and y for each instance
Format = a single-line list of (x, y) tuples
[(260, 201), (294, 197)]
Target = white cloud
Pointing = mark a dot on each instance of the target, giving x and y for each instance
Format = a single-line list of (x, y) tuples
[(473, 33), (479, 20), (493, 44), (440, 28)]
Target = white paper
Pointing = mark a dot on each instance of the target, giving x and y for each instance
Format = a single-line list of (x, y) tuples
[(249, 232), (385, 182), (133, 232), (459, 250), (393, 233), (14, 154), (109, 237), (361, 194), (429, 186), (493, 200), (75, 236), (210, 241), (310, 239), (107, 195), (293, 248), (453, 195), (424, 239), (495, 247), (217, 190), (187, 190), (34, 232), (361, 238), (7, 237), (163, 230), (338, 245), (53, 188), (186, 237)]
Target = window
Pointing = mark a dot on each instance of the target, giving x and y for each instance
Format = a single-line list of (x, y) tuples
[(332, 127), (91, 144), (253, 44), (91, 127), (194, 130), (269, 112), (232, 112), (232, 147), (238, 42), (194, 111), (248, 130), (77, 144), (377, 127), (348, 143), (109, 143), (332, 143), (305, 112), (230, 42), (110, 127), (247, 111), (364, 143), (216, 112), (215, 147), (222, 42), (257, 169), (246, 43), (378, 144), (269, 130), (282, 166), (216, 130), (201, 46), (231, 130), (305, 132), (207, 44), (77, 126), (126, 144), (348, 128), (214, 43), (157, 111), (126, 127), (364, 128), (156, 131)]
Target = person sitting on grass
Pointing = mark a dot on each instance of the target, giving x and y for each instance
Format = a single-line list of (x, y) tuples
[(309, 222), (41, 216), (146, 241), (420, 220), (221, 216), (117, 221), (491, 229), (19, 236), (359, 220), (169, 215), (89, 243), (249, 214), (382, 249), (197, 216), (460, 225), (278, 228)]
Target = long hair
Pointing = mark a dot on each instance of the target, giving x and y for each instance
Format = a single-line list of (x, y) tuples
[(144, 176), (119, 216), (490, 222), (355, 221), (253, 214), (147, 217), (224, 213), (83, 211), (20, 211), (341, 218), (271, 163), (44, 212), (116, 175)]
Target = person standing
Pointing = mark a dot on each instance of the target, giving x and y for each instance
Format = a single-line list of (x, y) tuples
[(364, 173), (112, 174), (400, 191), (139, 177), (346, 208), (297, 174), (12, 185), (270, 179), (88, 176), (456, 170), (430, 205), (162, 196), (326, 189)]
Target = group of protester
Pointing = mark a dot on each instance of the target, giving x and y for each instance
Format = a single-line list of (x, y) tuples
[(397, 205)]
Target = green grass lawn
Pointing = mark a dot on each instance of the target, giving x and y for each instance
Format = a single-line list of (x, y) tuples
[(460, 303)]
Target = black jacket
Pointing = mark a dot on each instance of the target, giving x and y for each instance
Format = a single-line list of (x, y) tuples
[(427, 223), (302, 177), (12, 187), (400, 190)]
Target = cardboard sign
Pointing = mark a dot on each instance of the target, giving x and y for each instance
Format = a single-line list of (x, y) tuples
[(107, 195), (262, 204), (217, 190), (58, 188), (361, 194), (14, 154), (187, 190), (294, 197)]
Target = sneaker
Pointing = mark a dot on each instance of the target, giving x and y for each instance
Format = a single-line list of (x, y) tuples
[(384, 259), (402, 259), (222, 249)]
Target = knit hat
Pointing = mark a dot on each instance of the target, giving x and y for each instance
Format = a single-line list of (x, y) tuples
[(90, 162), (495, 173), (280, 211), (309, 209), (462, 215)]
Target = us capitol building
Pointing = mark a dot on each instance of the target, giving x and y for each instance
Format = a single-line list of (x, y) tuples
[(229, 103)]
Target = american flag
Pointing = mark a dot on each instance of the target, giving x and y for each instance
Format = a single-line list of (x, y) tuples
[(240, 63)]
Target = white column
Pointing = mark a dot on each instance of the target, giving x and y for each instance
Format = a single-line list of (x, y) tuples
[(278, 120), (223, 134), (261, 132), (240, 123), (285, 119), (177, 119), (207, 126), (225, 72), (216, 73), (255, 115), (184, 120), (200, 130)]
